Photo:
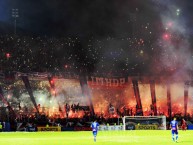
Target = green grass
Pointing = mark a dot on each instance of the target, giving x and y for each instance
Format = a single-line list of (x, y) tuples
[(136, 137)]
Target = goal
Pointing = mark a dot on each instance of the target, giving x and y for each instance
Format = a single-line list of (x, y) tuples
[(144, 122)]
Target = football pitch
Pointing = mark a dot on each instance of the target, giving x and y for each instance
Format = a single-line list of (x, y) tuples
[(132, 137)]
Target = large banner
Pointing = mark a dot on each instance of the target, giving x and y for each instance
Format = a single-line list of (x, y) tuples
[(108, 82), (39, 75)]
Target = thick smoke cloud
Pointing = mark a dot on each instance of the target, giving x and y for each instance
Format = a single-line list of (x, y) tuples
[(176, 53)]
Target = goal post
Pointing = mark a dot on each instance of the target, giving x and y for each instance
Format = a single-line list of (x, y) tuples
[(144, 122)]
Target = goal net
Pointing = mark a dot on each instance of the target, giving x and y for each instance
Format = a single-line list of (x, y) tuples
[(144, 122)]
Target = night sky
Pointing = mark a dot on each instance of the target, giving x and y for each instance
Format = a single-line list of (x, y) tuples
[(69, 17), (85, 17), (132, 36)]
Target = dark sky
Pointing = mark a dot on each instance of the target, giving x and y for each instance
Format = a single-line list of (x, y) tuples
[(84, 17), (76, 17)]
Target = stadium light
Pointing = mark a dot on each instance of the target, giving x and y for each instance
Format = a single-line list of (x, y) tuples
[(15, 15)]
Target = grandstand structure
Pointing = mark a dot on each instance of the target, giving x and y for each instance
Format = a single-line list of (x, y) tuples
[(127, 95), (60, 76)]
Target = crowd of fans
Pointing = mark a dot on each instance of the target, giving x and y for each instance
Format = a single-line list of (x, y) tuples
[(85, 121), (114, 117), (41, 54)]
